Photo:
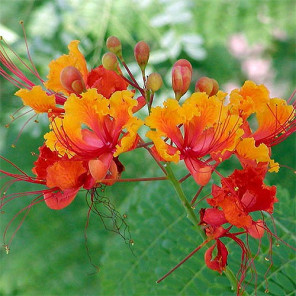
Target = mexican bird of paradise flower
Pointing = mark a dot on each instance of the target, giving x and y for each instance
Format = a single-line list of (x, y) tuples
[(96, 130), (201, 127), (110, 130), (275, 119)]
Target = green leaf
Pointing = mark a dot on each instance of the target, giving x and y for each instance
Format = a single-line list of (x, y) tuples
[(163, 237)]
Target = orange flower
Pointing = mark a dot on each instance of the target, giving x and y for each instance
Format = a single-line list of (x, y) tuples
[(201, 126), (276, 119), (95, 129)]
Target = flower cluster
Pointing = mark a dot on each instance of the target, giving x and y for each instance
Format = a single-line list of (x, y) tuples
[(93, 119)]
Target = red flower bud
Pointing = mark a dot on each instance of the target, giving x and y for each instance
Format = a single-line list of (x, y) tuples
[(141, 52), (203, 175), (71, 79), (208, 85), (114, 45), (181, 77), (154, 82), (109, 61)]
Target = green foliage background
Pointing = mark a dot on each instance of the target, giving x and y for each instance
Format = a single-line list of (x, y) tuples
[(48, 254)]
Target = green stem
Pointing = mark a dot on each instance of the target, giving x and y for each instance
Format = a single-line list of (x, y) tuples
[(190, 213)]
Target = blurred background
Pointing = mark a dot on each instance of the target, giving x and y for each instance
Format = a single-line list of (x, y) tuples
[(231, 41)]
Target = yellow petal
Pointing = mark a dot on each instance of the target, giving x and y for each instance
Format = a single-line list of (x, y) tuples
[(90, 110), (274, 167), (273, 118), (52, 141), (128, 140), (247, 149), (170, 115), (204, 111), (37, 99), (249, 99), (162, 147), (166, 120)]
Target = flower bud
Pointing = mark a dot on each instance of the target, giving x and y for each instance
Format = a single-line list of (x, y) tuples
[(71, 79), (97, 169), (203, 175), (109, 61), (215, 87), (154, 82), (114, 45), (208, 85), (181, 77), (141, 52)]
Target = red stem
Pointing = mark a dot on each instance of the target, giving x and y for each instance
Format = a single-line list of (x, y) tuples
[(184, 178), (137, 179), (196, 195), (185, 259)]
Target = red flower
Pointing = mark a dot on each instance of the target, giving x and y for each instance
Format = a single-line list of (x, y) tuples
[(241, 193)]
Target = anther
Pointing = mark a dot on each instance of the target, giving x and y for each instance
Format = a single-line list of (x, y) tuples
[(6, 249)]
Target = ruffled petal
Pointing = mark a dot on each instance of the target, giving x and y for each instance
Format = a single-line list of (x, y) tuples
[(249, 99), (38, 99), (166, 120), (247, 149), (127, 142), (163, 149)]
